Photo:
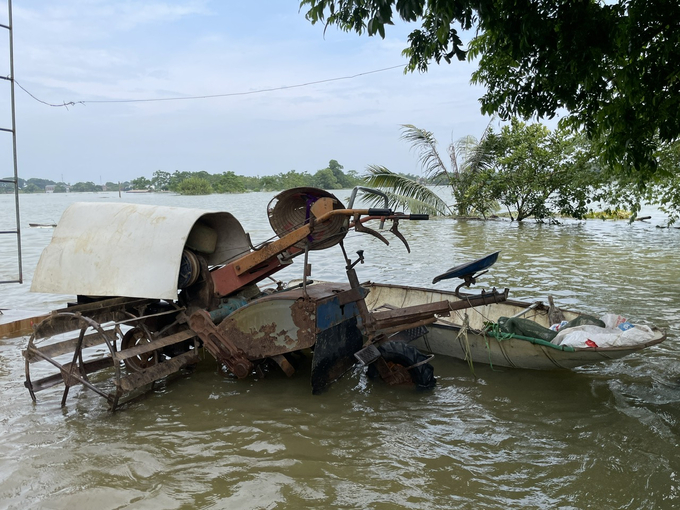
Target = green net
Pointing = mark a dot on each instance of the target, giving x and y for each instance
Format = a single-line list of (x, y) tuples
[(529, 328), (525, 327), (584, 320)]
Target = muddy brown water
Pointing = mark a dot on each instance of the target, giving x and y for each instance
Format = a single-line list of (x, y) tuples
[(600, 437)]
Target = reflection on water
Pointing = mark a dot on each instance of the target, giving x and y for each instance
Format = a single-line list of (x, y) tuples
[(602, 437)]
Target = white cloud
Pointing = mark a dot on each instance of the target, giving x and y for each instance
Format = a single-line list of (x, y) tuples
[(103, 49)]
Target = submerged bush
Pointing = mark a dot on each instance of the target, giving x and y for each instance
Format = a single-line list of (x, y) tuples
[(194, 186)]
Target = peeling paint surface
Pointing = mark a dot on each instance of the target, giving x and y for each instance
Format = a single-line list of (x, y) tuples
[(265, 329)]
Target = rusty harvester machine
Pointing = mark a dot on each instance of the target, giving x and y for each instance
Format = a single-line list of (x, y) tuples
[(156, 284)]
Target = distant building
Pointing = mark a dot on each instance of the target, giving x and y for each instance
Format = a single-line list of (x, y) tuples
[(50, 188)]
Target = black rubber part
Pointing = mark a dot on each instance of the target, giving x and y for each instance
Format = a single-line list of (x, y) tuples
[(379, 212), (406, 355)]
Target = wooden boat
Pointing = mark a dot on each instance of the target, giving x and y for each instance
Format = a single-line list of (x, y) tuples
[(463, 336)]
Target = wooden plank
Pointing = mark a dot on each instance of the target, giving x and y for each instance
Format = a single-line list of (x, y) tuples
[(18, 323), (154, 345), (151, 374)]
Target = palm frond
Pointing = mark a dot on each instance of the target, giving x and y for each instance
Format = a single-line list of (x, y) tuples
[(403, 193), (477, 155), (454, 157), (425, 144)]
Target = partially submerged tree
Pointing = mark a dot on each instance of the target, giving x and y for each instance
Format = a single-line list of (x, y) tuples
[(458, 170), (665, 187), (526, 168), (611, 64), (538, 173), (195, 186)]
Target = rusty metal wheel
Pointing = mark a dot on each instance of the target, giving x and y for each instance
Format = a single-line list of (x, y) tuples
[(132, 338)]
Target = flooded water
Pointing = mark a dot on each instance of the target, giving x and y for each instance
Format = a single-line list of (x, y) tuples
[(602, 437)]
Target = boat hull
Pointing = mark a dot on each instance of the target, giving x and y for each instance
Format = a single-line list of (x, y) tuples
[(460, 336)]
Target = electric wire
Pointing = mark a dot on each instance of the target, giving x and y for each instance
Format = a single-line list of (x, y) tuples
[(66, 104)]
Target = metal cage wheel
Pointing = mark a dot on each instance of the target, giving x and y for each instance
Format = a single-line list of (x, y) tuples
[(138, 335)]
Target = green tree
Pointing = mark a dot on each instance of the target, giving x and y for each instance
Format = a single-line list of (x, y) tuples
[(458, 169), (140, 183), (536, 173), (665, 187), (31, 188), (293, 179), (194, 186), (176, 179), (339, 175), (80, 187), (526, 168), (270, 183), (8, 187), (40, 183), (160, 180), (326, 179), (609, 64), (345, 180), (466, 159), (251, 183), (229, 182)]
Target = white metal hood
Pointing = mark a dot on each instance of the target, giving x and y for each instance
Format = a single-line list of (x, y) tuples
[(129, 250)]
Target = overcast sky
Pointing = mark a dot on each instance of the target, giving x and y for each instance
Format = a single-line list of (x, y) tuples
[(104, 50)]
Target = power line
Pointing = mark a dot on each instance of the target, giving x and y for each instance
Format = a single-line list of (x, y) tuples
[(66, 104)]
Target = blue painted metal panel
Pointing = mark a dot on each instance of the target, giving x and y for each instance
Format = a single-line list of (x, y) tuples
[(330, 312)]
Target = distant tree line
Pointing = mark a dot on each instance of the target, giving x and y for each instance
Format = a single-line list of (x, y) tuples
[(522, 171), (204, 183), (35, 185)]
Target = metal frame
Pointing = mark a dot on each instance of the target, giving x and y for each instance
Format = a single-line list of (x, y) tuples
[(12, 130)]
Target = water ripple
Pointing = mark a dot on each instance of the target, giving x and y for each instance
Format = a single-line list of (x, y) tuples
[(494, 440)]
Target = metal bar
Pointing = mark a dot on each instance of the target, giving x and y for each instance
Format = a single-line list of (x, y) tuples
[(67, 346), (402, 327), (159, 371), (8, 232), (438, 307), (10, 78), (154, 345), (13, 181), (82, 381), (527, 310), (8, 130), (98, 306), (143, 317), (55, 379), (10, 281)]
